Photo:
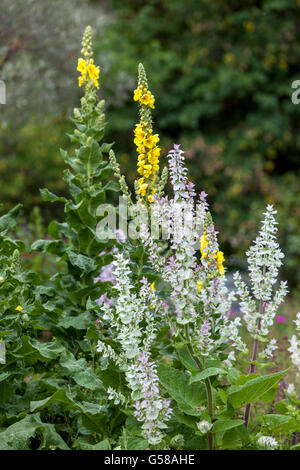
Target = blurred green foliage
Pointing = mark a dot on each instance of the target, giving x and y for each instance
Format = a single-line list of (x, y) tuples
[(221, 73)]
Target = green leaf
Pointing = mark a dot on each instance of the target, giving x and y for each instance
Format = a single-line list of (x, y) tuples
[(188, 397), (50, 197), (6, 391), (18, 435), (223, 395), (79, 322), (133, 443), (186, 359), (200, 376), (282, 422), (240, 395), (8, 220), (221, 426), (83, 262), (66, 400), (80, 372), (82, 444), (32, 350)]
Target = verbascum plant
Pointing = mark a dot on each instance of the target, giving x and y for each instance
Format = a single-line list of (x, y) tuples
[(79, 252)]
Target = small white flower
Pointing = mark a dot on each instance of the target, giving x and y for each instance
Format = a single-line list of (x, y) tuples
[(204, 426), (291, 390), (294, 349), (267, 442)]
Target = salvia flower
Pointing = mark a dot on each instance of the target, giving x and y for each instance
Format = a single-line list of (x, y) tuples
[(133, 320), (204, 426), (294, 348), (259, 305), (265, 258), (267, 442), (151, 409), (198, 295)]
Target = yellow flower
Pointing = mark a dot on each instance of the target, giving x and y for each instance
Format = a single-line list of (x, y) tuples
[(199, 286), (145, 99), (220, 260), (19, 308), (203, 244), (138, 140), (217, 255), (82, 66), (1, 279), (144, 96), (137, 93), (81, 81), (142, 190), (151, 141), (153, 283), (139, 132), (154, 154), (93, 72)]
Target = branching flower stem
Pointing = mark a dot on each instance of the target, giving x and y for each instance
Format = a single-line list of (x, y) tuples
[(206, 381)]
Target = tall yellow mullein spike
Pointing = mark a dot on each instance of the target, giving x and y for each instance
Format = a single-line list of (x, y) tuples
[(89, 72), (144, 139)]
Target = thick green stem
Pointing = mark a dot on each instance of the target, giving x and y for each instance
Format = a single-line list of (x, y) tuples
[(206, 382)]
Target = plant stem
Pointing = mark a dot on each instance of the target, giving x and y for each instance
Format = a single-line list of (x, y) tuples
[(206, 382), (252, 365)]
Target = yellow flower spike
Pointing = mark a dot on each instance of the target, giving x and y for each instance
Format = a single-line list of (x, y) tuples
[(89, 72), (144, 139), (19, 308)]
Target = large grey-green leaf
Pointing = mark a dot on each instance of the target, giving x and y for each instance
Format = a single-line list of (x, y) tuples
[(32, 350), (80, 372), (67, 401), (81, 261), (18, 435)]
